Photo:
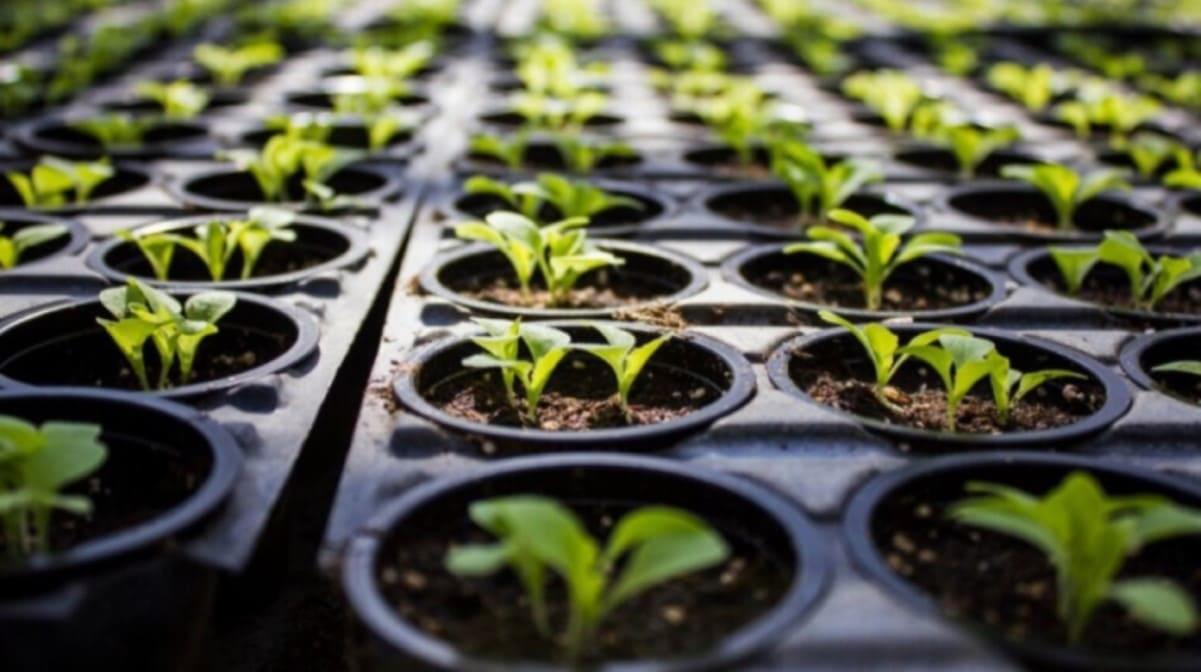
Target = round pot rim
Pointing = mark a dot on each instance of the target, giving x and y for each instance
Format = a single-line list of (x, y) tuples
[(1118, 396), (182, 191), (809, 584), (307, 335), (709, 194), (77, 233), (742, 387), (356, 251), (698, 280), (1160, 220), (29, 136), (227, 462), (1132, 353), (856, 532), (450, 209), (731, 270), (1019, 268)]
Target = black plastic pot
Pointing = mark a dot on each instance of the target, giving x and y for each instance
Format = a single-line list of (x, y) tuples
[(122, 596), (55, 137), (509, 119), (48, 346), (709, 362), (992, 202), (1190, 203), (618, 221), (321, 97), (743, 511), (1036, 268), (542, 155), (776, 201), (14, 220), (678, 276), (942, 161), (862, 533), (1148, 351), (321, 246), (1027, 353), (723, 161), (348, 133), (225, 189), (126, 178), (219, 99), (750, 267)]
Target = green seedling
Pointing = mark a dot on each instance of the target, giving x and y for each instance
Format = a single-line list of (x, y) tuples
[(228, 66), (53, 180), (144, 313), (180, 99), (508, 149), (545, 348), (1066, 189), (1010, 386), (36, 464), (892, 94), (1121, 114), (546, 113), (573, 19), (581, 154), (882, 250), (1151, 278), (12, 247), (20, 88), (649, 546), (690, 55), (1034, 87), (560, 253), (819, 186), (117, 130), (379, 63), (1088, 536), (1189, 367), (627, 359), (971, 146), (1149, 152), (1185, 174), (285, 158), (570, 198), (215, 242)]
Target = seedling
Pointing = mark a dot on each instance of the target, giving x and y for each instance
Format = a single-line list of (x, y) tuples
[(216, 241), (971, 145), (890, 93), (648, 546), (547, 113), (685, 55), (180, 99), (396, 64), (1149, 152), (228, 66), (1034, 86), (883, 349), (817, 186), (570, 198), (508, 149), (20, 88), (573, 19), (284, 158), (545, 348), (1185, 174), (1010, 386), (53, 180), (36, 464), (1189, 367), (627, 359), (559, 253), (581, 154), (882, 252), (1088, 536), (12, 247), (1151, 278), (1121, 114), (116, 130), (743, 118), (1066, 189), (144, 313)]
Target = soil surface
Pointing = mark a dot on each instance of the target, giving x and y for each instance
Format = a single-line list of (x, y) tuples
[(1008, 585), (489, 617), (602, 288), (482, 205), (943, 161), (545, 156), (725, 162), (1032, 212), (580, 396), (777, 209)]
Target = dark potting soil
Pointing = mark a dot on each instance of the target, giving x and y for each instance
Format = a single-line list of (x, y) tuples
[(1008, 585), (241, 186), (1109, 287), (725, 162), (840, 379), (160, 134), (482, 205), (581, 395), (1032, 212), (778, 209), (277, 259), (139, 480), (545, 156), (340, 135), (943, 161), (489, 617), (920, 285), (512, 119), (602, 288)]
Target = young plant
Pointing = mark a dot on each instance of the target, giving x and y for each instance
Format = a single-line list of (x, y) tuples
[(559, 253), (890, 93), (627, 359), (12, 247), (581, 154), (536, 535), (228, 66), (1088, 536), (284, 158), (1185, 175), (1121, 114), (564, 115), (817, 186), (570, 198), (882, 252), (116, 130), (36, 463), (971, 146), (144, 313), (545, 348), (53, 180), (180, 99), (1065, 188), (1010, 386), (1190, 367), (1151, 278), (397, 64), (1034, 87), (216, 241), (1149, 152), (508, 149)]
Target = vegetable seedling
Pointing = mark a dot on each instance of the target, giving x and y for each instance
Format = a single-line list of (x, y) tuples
[(228, 66), (398, 64), (52, 180), (1034, 87), (36, 464), (216, 241), (114, 131), (559, 253), (1088, 535), (627, 359), (284, 158), (817, 185), (1151, 278), (581, 154), (180, 99), (890, 93), (545, 348), (144, 313), (508, 149), (1149, 152), (1190, 367), (1185, 175), (12, 247), (882, 252), (1066, 189), (971, 146), (570, 198), (536, 535)]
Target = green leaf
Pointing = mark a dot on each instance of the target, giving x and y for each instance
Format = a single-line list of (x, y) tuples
[(1157, 603), (1074, 265), (1189, 367)]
